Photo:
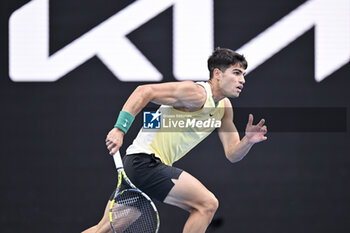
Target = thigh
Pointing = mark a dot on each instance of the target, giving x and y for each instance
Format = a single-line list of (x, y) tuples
[(150, 175), (188, 193)]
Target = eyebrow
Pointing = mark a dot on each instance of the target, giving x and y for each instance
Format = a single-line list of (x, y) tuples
[(240, 71)]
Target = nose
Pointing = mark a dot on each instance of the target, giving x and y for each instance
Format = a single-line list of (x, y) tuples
[(242, 80)]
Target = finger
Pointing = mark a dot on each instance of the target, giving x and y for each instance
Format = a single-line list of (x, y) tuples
[(108, 143), (250, 119), (264, 129), (111, 150), (114, 150), (261, 123), (264, 138), (111, 146)]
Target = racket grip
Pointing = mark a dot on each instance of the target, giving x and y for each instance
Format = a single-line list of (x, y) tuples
[(118, 160)]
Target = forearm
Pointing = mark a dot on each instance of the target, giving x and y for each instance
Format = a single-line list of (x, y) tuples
[(237, 152), (136, 102)]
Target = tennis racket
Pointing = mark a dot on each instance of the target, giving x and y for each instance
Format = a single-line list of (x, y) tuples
[(131, 210)]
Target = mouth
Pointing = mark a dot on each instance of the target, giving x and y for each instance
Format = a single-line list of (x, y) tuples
[(239, 88)]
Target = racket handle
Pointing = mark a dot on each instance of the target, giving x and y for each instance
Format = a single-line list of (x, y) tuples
[(118, 160)]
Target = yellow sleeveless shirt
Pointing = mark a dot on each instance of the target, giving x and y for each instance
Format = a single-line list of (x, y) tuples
[(180, 131)]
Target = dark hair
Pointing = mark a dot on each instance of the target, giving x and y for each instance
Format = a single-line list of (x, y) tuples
[(223, 58)]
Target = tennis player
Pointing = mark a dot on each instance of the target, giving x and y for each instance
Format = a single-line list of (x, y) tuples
[(148, 161)]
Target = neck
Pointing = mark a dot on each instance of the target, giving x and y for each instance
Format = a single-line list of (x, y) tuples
[(215, 91)]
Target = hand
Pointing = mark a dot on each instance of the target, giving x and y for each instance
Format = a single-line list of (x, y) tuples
[(255, 133), (114, 140)]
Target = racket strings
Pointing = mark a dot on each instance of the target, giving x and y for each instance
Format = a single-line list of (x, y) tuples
[(133, 213)]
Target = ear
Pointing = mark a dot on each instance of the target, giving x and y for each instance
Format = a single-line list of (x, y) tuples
[(217, 74)]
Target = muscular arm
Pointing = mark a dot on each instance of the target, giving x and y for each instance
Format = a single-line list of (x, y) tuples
[(234, 147), (185, 95)]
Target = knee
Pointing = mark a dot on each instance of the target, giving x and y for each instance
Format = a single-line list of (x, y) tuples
[(210, 205), (213, 204)]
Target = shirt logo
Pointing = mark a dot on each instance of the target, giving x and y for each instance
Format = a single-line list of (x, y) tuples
[(152, 120)]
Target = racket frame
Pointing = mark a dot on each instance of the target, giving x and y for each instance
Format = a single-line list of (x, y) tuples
[(123, 177)]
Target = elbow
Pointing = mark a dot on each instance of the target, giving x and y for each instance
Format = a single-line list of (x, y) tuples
[(233, 159), (144, 91), (232, 154), (228, 157)]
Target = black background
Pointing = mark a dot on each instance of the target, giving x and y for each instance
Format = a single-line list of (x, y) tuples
[(56, 175)]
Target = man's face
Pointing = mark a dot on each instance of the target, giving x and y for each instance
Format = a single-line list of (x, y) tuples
[(232, 81)]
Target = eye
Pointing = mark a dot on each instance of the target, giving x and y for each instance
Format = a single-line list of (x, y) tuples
[(236, 73)]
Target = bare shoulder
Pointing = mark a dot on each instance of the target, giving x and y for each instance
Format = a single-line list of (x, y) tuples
[(183, 86), (228, 110), (185, 94), (192, 87), (193, 94), (227, 103)]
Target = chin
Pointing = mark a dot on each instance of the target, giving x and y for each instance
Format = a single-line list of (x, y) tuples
[(232, 94), (236, 94)]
